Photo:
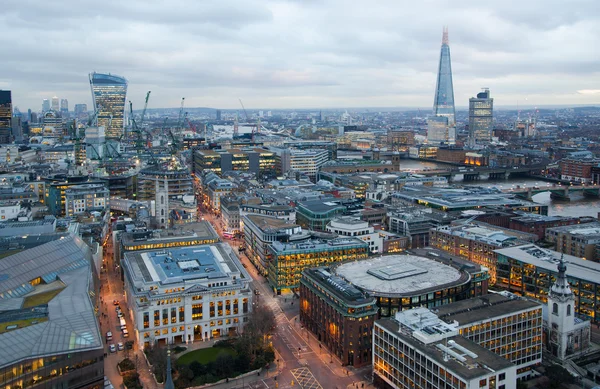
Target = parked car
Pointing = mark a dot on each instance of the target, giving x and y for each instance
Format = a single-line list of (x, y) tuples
[(120, 346), (112, 348)]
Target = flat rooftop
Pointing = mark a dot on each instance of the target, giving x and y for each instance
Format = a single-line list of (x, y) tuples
[(181, 264), (266, 222), (484, 308), (317, 245), (458, 354), (584, 230), (199, 230), (400, 275), (339, 287), (548, 260)]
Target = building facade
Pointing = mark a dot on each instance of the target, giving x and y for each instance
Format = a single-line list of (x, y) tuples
[(578, 169), (350, 226), (108, 95), (286, 261), (259, 161), (530, 271), (85, 198), (338, 314), (578, 240), (307, 161), (507, 325), (481, 118), (315, 214), (537, 224), (418, 350), (5, 117), (182, 295)]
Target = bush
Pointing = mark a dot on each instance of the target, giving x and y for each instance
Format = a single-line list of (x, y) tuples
[(179, 349), (126, 365), (224, 343), (132, 381)]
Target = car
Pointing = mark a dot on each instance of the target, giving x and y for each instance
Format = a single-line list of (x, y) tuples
[(120, 346), (125, 333), (108, 336), (112, 348), (119, 314)]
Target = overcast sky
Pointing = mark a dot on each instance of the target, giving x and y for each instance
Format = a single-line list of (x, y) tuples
[(301, 53)]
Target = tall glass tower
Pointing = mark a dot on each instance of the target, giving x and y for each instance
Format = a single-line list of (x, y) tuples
[(443, 105), (108, 94), (481, 117)]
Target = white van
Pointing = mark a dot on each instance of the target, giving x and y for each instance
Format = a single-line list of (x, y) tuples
[(108, 336), (123, 324)]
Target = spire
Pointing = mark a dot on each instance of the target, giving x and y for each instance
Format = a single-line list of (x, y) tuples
[(445, 36), (561, 287), (169, 381)]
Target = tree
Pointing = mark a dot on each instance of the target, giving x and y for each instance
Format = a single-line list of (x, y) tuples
[(521, 385), (224, 364), (558, 377), (197, 368), (157, 356)]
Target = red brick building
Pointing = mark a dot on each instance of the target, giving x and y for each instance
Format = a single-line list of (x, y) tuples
[(537, 224), (577, 169)]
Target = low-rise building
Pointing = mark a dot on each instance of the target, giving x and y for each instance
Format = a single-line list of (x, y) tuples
[(340, 315), (261, 231), (306, 161), (418, 350), (286, 261), (578, 167), (256, 160), (508, 325), (186, 294), (529, 270), (354, 227), (218, 189), (476, 243), (537, 224), (86, 197), (579, 240), (315, 214), (400, 282)]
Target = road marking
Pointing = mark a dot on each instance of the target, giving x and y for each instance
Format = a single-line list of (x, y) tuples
[(305, 378)]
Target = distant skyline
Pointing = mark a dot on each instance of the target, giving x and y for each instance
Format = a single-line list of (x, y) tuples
[(301, 54)]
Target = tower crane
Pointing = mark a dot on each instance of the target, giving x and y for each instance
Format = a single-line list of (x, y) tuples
[(145, 107), (255, 128)]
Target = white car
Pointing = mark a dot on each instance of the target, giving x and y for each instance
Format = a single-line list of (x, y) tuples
[(112, 348), (120, 346), (125, 333)]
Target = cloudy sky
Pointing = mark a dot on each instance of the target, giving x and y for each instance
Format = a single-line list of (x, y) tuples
[(301, 53)]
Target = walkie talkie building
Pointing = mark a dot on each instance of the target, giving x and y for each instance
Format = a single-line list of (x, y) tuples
[(108, 94)]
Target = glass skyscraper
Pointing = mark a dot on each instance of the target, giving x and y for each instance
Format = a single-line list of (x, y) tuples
[(443, 104), (108, 94), (5, 116), (481, 117)]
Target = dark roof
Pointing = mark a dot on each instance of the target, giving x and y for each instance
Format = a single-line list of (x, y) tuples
[(484, 307)]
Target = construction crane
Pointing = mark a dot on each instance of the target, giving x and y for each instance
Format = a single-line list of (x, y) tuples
[(139, 141), (255, 128), (192, 126), (145, 107)]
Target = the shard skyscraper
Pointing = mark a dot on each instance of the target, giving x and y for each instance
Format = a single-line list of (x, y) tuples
[(443, 104)]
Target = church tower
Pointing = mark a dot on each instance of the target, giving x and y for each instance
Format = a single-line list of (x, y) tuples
[(161, 204), (566, 336)]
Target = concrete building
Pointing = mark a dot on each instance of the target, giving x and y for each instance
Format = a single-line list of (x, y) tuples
[(50, 334), (30, 227), (179, 181), (315, 214), (578, 168), (186, 294), (578, 240), (338, 314), (307, 161), (481, 118), (418, 350), (86, 197), (218, 189), (413, 224), (331, 147), (261, 231), (476, 243), (259, 161), (351, 226), (400, 282), (508, 325), (286, 260), (530, 270), (438, 130), (230, 216)]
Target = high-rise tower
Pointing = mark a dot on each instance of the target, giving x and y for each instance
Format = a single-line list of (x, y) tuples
[(443, 104), (481, 116), (108, 94), (55, 106), (5, 116)]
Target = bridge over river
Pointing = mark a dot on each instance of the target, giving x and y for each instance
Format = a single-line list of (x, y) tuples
[(557, 192), (485, 172)]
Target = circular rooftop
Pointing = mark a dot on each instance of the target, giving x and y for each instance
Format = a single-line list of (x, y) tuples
[(401, 275)]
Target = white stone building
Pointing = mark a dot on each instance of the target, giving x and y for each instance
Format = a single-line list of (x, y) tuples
[(352, 226)]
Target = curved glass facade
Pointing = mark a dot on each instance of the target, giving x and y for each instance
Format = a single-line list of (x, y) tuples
[(443, 104), (108, 94)]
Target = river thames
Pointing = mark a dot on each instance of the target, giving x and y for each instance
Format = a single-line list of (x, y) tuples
[(578, 206)]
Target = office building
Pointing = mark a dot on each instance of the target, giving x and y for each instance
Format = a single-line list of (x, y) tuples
[(476, 243), (481, 117), (56, 188), (315, 214), (507, 325), (443, 104), (400, 282), (108, 95), (64, 107), (259, 161), (307, 161), (50, 335), (5, 117), (233, 209), (400, 139), (86, 198), (186, 294), (45, 106), (418, 350), (331, 147), (438, 130), (338, 314), (566, 335), (216, 190), (579, 240), (80, 109), (55, 107), (286, 260), (346, 226), (530, 271), (538, 224), (578, 168), (218, 114), (179, 181), (261, 231)]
